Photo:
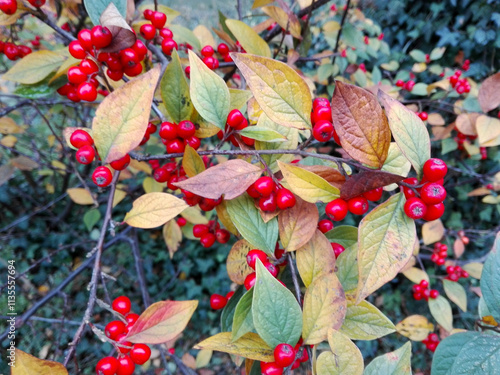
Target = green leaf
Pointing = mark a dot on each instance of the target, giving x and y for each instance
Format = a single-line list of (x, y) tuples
[(249, 39), (456, 293), (34, 91), (365, 322), (243, 320), (490, 280), (209, 92), (347, 269), (420, 89), (397, 362), (96, 7), (262, 134), (396, 163), (247, 219), (345, 358), (175, 91), (448, 350), (386, 238), (437, 53), (418, 56), (441, 311), (184, 35), (239, 98), (227, 316), (409, 132), (345, 235), (91, 218), (34, 67)]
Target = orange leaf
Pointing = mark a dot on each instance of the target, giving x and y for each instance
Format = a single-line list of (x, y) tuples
[(298, 224), (26, 364)]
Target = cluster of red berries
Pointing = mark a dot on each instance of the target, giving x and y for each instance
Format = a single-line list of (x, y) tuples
[(440, 253), (466, 65), (422, 291), (273, 268), (235, 121), (408, 85), (423, 115), (321, 118), (211, 232), (210, 60), (129, 354), (9, 7), (429, 206), (461, 138), (285, 355), (455, 273), (338, 208), (13, 51), (431, 342), (86, 153), (175, 137), (218, 301), (460, 85), (157, 21), (270, 196)]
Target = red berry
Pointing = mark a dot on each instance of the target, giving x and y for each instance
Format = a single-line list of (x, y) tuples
[(400, 83), (255, 254), (250, 281), (11, 51), (440, 261), (423, 116), (129, 58), (140, 353), (273, 270), (207, 51), (166, 33), (65, 89), (121, 164), (223, 49), (325, 225), (88, 67), (199, 230), (415, 208), (131, 318), (9, 7), (432, 193), (207, 239), (321, 102), (434, 169), (321, 114), (147, 31), (424, 283), (86, 91), (235, 119), (374, 195), (168, 45), (264, 186), (409, 85), (115, 75), (76, 75), (107, 366), (133, 71), (270, 368), (323, 131), (358, 205), (161, 175), (336, 209), (85, 155), (85, 39), (168, 130), (217, 301), (148, 14), (193, 141), (122, 305), (114, 328), (409, 193), (186, 129), (434, 294), (76, 50), (285, 199), (140, 48), (101, 36), (434, 212), (125, 366), (268, 203), (253, 192), (158, 19), (222, 235), (176, 146), (284, 355), (102, 176), (337, 248)]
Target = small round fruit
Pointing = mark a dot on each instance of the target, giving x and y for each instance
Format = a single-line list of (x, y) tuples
[(264, 186), (166, 33), (434, 294), (161, 175), (207, 51), (176, 146), (223, 49), (374, 195), (147, 31), (321, 102), (168, 131), (102, 176), (270, 368), (207, 239), (325, 225), (125, 366), (76, 75), (337, 248), (255, 254), (186, 129), (86, 91), (158, 19), (321, 114), (121, 164), (9, 7), (101, 36), (217, 301), (409, 193), (131, 318), (323, 131), (434, 169), (235, 119), (168, 45), (85, 155), (140, 353), (284, 355), (114, 328), (273, 270), (336, 209), (193, 142), (76, 50), (250, 281), (268, 203), (432, 193), (423, 116), (434, 212), (415, 208), (285, 199), (200, 230), (222, 235), (88, 66), (122, 305), (358, 205), (107, 366)]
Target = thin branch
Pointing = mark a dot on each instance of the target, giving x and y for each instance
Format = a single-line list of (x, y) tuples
[(344, 16), (134, 244), (295, 279)]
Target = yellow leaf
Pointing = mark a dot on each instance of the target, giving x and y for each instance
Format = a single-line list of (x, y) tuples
[(203, 358), (280, 91), (172, 235), (150, 185), (324, 307), (236, 263), (307, 185), (8, 141), (192, 162), (365, 322), (488, 131), (432, 231), (161, 322), (249, 346), (415, 327), (345, 358), (119, 196), (239, 98), (205, 36), (49, 188), (260, 3), (206, 130), (315, 258), (194, 216), (298, 224), (419, 67), (248, 38), (80, 196), (474, 269), (224, 218), (63, 69), (416, 275), (154, 209), (290, 23), (59, 166), (26, 364), (34, 67), (9, 126), (24, 163), (122, 118), (466, 123), (140, 166)]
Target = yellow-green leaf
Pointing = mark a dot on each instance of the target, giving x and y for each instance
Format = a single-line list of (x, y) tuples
[(345, 358), (291, 24), (262, 134), (172, 235), (324, 307), (248, 38), (415, 327), (397, 362), (154, 209), (386, 238), (365, 322), (26, 364), (488, 131), (297, 224), (456, 293), (192, 162), (209, 92), (416, 275), (34, 67), (150, 185), (307, 185), (441, 311), (281, 92), (80, 196), (315, 258), (122, 118), (396, 163), (203, 358), (194, 216), (239, 98), (249, 346), (184, 35)]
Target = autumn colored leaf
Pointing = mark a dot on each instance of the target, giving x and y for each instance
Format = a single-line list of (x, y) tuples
[(80, 196), (297, 224), (364, 181), (175, 91), (361, 124), (441, 311), (192, 162), (315, 258), (34, 67), (194, 215), (386, 238), (466, 123), (236, 262), (329, 174), (239, 98), (416, 275), (248, 38), (230, 179), (415, 327), (150, 185), (488, 131), (408, 130), (123, 35), (432, 231), (365, 322), (154, 209), (26, 364), (172, 235), (396, 163), (280, 91), (488, 93), (161, 322), (324, 308), (397, 362), (344, 359), (122, 118), (456, 293), (9, 126), (249, 346), (287, 22), (24, 163), (225, 219), (307, 185), (203, 358)]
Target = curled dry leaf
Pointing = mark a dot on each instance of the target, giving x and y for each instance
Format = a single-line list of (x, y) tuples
[(230, 179), (236, 263), (365, 181), (123, 35)]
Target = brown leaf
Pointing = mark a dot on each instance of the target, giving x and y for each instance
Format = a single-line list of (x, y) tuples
[(123, 36), (236, 263), (435, 119), (189, 360), (442, 132), (230, 179), (331, 175), (298, 224), (365, 181), (488, 93), (466, 123), (458, 248), (361, 124), (24, 163)]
